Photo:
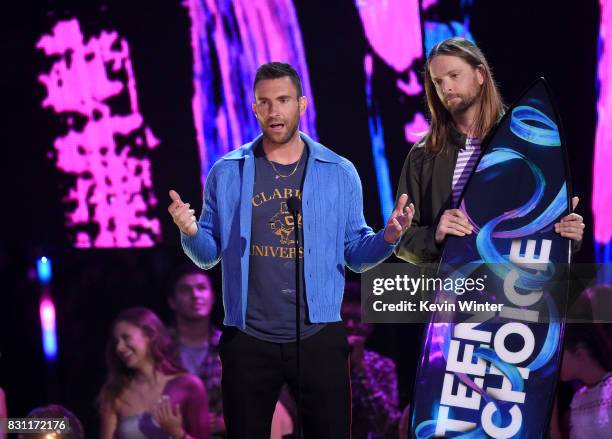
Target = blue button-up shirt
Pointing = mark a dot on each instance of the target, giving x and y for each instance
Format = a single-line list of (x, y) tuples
[(335, 232)]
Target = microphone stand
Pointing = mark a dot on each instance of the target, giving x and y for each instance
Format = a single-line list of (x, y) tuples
[(294, 205)]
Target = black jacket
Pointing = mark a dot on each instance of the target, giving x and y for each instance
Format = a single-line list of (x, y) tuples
[(427, 179)]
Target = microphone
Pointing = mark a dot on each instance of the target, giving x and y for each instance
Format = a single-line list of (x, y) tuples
[(294, 204)]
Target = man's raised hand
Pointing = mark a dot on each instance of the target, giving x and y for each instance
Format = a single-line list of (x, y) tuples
[(182, 215), (400, 220)]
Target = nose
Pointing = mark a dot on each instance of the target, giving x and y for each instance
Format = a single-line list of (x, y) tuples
[(445, 86), (274, 109), (120, 346)]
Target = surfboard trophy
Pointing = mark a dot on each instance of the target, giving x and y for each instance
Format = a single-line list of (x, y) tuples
[(485, 373)]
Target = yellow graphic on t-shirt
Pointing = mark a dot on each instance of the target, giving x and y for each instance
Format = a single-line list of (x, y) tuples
[(269, 251), (282, 224)]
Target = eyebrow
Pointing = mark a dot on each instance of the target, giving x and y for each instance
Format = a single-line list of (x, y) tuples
[(278, 97), (451, 71)]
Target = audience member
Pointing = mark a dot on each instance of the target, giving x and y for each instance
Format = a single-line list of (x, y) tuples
[(74, 428), (191, 296), (147, 394), (375, 406)]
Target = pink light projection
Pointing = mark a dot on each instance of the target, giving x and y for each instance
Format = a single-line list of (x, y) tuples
[(113, 190), (416, 129), (426, 4), (46, 310), (412, 87), (602, 189), (393, 28), (230, 40)]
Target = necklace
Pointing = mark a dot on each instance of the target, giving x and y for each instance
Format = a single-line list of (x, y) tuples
[(278, 174)]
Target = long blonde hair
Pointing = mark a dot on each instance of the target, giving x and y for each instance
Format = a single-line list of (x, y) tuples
[(491, 105)]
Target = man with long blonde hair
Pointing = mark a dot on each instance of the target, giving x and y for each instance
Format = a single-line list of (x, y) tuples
[(464, 106)]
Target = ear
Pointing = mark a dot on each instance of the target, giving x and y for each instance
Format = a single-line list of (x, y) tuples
[(302, 103), (480, 74), (254, 108)]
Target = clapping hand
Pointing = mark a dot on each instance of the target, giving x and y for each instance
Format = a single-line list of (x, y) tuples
[(170, 420)]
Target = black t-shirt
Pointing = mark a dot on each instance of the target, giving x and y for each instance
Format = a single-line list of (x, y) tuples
[(270, 312)]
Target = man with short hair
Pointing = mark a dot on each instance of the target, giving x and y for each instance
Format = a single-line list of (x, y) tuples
[(464, 106), (246, 224), (191, 296)]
